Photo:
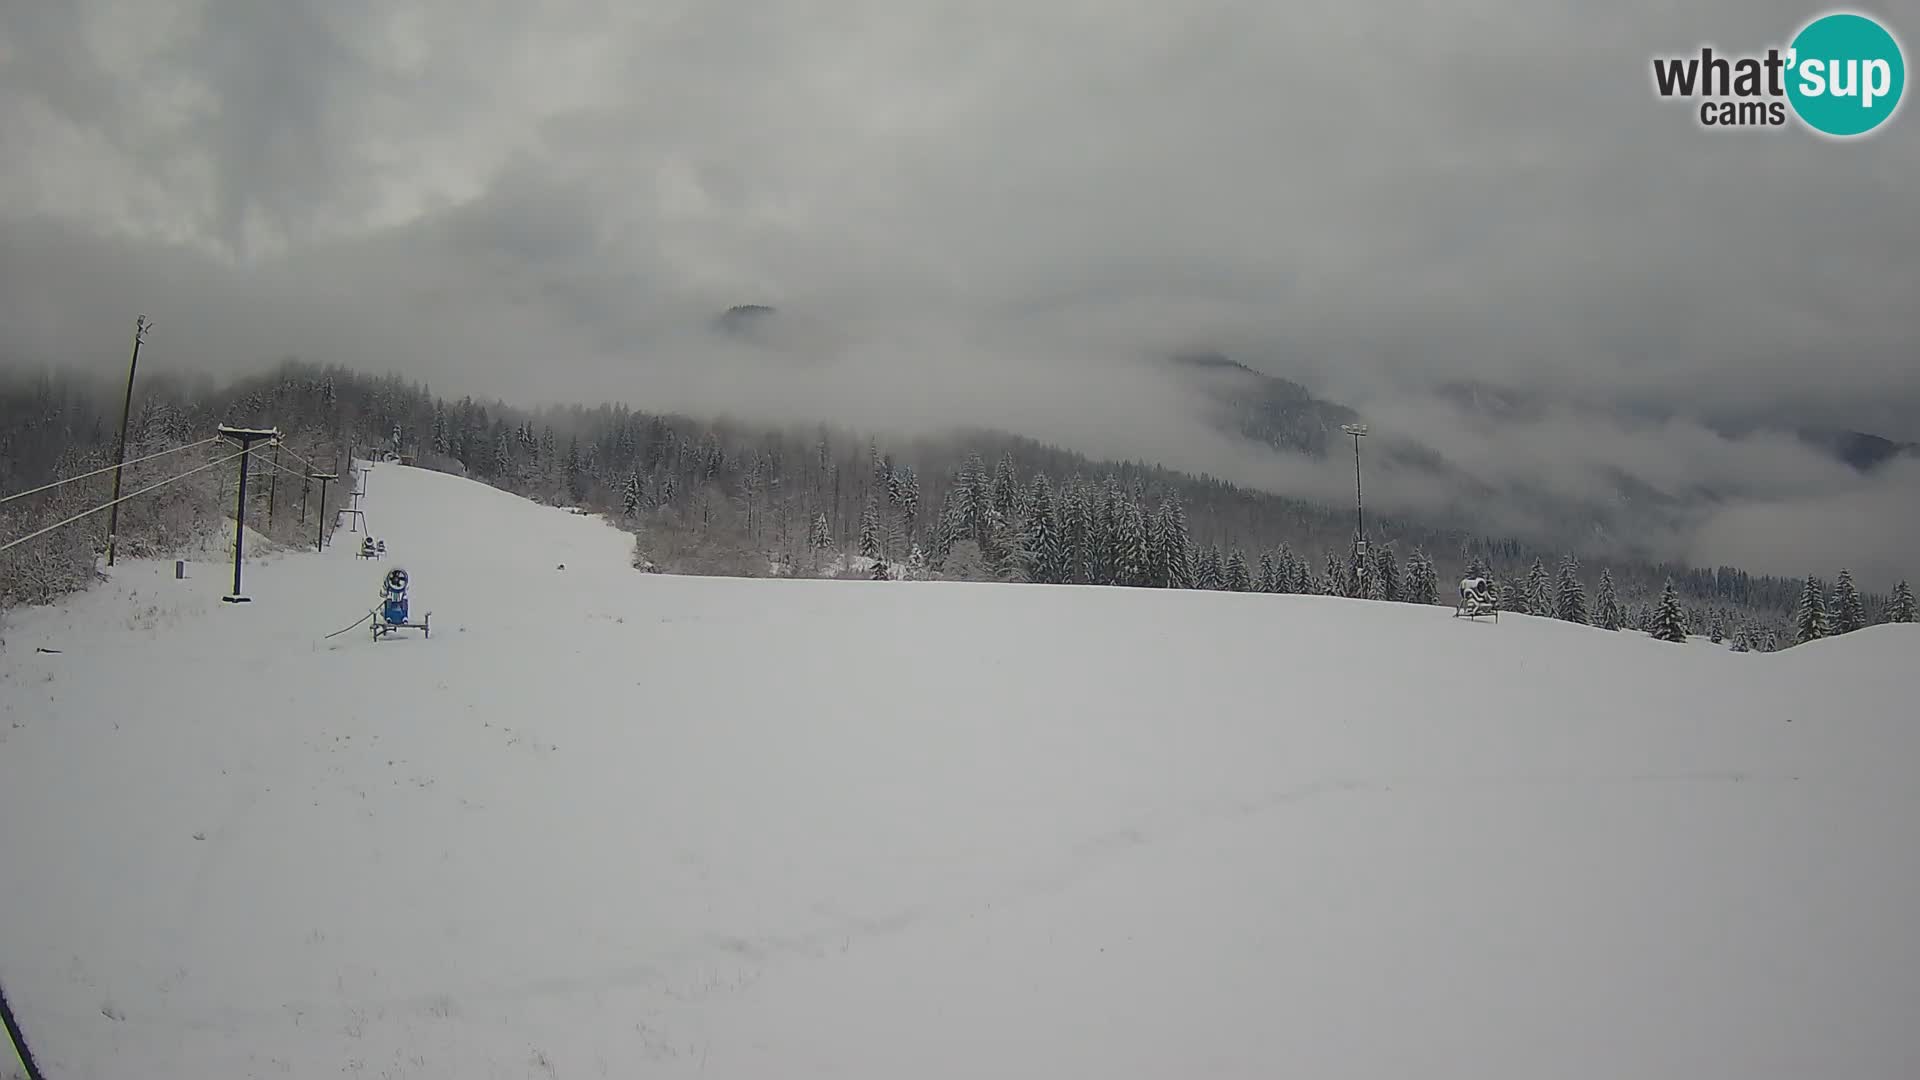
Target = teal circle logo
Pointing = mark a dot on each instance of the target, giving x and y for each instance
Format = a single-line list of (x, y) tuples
[(1845, 74)]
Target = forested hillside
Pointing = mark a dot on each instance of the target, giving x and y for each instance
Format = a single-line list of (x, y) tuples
[(723, 497)]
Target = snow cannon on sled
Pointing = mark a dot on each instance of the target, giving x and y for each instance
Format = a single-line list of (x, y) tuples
[(392, 613), (1476, 599)]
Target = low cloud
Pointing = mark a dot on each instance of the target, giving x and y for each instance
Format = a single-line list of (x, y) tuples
[(989, 214), (1872, 528)]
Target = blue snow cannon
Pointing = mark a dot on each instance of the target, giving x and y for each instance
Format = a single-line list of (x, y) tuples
[(393, 607), (394, 598)]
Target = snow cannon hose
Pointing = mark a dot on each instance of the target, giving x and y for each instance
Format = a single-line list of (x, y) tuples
[(356, 622)]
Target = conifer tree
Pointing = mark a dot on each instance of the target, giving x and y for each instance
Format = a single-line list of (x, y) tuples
[(969, 495), (999, 545), (1901, 608), (1133, 560), (1003, 492), (575, 474), (1571, 603), (1511, 598), (1074, 526), (818, 538), (1538, 602), (1236, 573), (906, 495), (631, 495), (1288, 572), (1810, 621), (1269, 578), (1669, 622), (946, 529), (1335, 580), (1384, 582), (1040, 555), (1849, 612), (882, 473), (1210, 574), (870, 531), (1169, 544), (1106, 532), (1610, 615), (1423, 582)]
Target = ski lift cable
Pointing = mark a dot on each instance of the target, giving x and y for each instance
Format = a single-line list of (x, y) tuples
[(284, 469), (311, 467), (110, 503), (105, 469)]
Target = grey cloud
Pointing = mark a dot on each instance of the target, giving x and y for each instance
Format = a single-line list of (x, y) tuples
[(976, 213)]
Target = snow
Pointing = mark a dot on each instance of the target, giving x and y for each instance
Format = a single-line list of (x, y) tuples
[(607, 823)]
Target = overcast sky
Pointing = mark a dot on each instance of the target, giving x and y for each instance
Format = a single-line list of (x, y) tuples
[(984, 212)]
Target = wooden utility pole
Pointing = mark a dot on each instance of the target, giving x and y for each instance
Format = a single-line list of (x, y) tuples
[(140, 328), (246, 437)]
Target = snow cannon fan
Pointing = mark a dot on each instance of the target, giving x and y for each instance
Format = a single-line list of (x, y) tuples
[(393, 596), (393, 606)]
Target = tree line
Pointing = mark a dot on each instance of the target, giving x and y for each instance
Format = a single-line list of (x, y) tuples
[(732, 497)]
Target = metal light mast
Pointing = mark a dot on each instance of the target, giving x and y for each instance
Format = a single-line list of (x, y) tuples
[(1358, 431)]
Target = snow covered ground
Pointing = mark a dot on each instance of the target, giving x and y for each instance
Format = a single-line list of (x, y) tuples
[(606, 823)]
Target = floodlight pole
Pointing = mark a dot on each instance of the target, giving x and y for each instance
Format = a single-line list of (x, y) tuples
[(1358, 431), (140, 328)]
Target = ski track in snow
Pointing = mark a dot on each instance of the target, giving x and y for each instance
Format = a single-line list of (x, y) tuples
[(606, 823)]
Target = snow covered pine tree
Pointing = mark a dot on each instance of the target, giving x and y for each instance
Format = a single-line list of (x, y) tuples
[(1571, 604), (1849, 611), (1537, 600), (1669, 624), (1610, 615), (1811, 620), (1901, 608)]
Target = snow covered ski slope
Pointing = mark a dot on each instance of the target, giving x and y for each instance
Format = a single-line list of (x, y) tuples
[(606, 823)]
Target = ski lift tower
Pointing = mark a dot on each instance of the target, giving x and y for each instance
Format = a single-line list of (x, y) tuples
[(244, 438), (355, 516), (1358, 431)]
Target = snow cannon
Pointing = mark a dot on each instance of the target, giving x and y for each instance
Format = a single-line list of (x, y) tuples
[(393, 596), (1476, 598), (393, 606)]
